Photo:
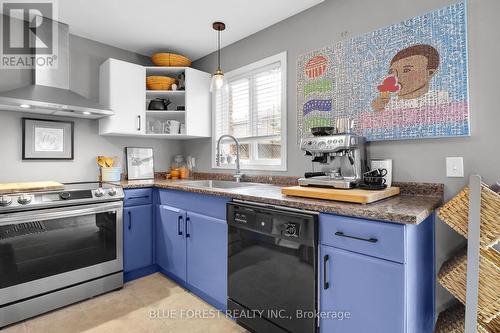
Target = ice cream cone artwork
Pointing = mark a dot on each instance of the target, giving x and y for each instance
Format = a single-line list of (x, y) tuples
[(385, 94), (388, 86)]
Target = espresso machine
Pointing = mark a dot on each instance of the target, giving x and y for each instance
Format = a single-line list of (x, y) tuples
[(342, 158)]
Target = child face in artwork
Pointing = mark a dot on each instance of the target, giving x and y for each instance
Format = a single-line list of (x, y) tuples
[(413, 76)]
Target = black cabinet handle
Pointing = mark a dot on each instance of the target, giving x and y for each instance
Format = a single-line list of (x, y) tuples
[(179, 221), (187, 231), (326, 284), (139, 125), (139, 197), (341, 234), (129, 220)]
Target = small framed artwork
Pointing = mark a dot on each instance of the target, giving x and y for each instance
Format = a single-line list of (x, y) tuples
[(45, 139), (140, 163)]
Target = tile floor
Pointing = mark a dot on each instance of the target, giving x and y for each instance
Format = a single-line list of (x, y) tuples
[(130, 309)]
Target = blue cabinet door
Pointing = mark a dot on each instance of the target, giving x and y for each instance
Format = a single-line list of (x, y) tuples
[(372, 291), (207, 255), (137, 237), (170, 240)]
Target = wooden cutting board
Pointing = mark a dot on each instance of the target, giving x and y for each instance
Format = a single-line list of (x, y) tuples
[(30, 186), (352, 195)]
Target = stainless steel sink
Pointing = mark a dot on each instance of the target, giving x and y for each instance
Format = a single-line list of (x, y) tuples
[(220, 184)]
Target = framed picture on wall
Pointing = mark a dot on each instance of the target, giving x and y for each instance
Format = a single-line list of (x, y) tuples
[(45, 139), (140, 163)]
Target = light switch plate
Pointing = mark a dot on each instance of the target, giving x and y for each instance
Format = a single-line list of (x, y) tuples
[(455, 167)]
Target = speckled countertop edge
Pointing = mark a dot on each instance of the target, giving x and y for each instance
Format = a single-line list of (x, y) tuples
[(404, 209)]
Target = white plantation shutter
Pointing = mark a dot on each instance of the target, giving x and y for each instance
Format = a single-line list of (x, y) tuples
[(239, 108), (252, 111), (267, 106)]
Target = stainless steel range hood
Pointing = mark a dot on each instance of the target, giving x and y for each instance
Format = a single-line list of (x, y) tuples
[(50, 93)]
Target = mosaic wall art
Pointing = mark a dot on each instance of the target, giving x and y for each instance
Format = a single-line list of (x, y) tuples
[(405, 81)]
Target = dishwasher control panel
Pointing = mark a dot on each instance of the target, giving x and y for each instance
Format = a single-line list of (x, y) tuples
[(294, 226)]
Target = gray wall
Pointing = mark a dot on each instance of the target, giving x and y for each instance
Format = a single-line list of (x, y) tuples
[(85, 57), (416, 160)]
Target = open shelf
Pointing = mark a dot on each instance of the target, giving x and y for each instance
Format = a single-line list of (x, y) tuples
[(158, 70), (165, 92), (171, 136), (164, 112)]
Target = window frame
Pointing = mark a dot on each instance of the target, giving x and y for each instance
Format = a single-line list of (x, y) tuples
[(241, 73)]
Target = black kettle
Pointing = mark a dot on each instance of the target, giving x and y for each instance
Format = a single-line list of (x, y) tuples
[(159, 104)]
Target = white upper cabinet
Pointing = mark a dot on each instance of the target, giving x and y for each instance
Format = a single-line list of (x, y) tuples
[(198, 102), (123, 88)]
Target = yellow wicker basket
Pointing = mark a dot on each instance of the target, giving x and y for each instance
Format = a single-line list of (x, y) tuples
[(170, 60), (455, 213), (452, 320), (453, 276), (159, 82)]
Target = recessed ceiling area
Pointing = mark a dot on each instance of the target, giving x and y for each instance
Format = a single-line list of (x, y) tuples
[(183, 26)]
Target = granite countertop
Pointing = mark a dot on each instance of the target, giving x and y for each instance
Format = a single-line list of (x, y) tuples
[(415, 203)]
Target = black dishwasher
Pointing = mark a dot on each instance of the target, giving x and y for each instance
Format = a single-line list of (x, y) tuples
[(272, 268)]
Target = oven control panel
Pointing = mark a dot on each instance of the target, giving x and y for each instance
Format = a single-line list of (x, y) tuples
[(35, 200)]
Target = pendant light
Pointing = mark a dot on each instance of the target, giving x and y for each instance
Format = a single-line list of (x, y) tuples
[(219, 81)]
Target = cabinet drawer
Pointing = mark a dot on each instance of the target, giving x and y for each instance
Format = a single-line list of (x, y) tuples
[(373, 238), (136, 197)]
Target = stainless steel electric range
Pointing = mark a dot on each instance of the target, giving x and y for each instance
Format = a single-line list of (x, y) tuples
[(58, 247)]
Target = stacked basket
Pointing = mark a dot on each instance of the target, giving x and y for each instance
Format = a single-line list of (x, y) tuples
[(453, 321), (453, 273)]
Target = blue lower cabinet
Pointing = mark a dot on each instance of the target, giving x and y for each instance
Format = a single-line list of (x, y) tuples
[(360, 293), (382, 274), (191, 243), (207, 256), (137, 239), (171, 241)]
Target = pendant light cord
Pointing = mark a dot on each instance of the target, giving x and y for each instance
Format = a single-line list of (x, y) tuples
[(218, 49)]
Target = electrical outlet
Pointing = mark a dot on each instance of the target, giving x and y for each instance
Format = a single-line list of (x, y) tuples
[(455, 167)]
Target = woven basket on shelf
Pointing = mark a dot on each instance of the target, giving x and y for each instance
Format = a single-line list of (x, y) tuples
[(452, 320), (452, 276), (159, 82), (170, 60), (455, 213)]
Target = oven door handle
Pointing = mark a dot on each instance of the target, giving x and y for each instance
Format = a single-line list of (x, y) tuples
[(58, 213)]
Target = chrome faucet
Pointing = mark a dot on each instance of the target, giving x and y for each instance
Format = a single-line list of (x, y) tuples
[(238, 173)]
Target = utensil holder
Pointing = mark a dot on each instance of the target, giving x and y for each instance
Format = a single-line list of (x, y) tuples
[(112, 174)]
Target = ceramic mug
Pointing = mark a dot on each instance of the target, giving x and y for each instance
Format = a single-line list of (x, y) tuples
[(374, 180), (375, 173)]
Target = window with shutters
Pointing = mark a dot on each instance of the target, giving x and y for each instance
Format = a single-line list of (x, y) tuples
[(253, 109)]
